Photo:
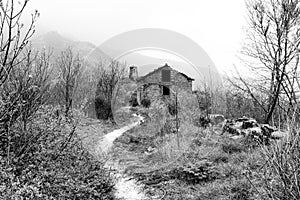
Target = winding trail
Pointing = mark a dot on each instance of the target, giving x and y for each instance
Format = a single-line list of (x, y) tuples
[(126, 188)]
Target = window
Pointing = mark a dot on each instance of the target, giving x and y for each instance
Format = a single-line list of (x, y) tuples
[(166, 90), (166, 75)]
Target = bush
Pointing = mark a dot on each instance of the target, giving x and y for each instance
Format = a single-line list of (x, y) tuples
[(24, 91), (49, 162), (103, 108), (219, 157), (133, 100), (204, 122), (280, 174), (173, 110), (146, 103), (231, 146), (193, 173), (241, 190)]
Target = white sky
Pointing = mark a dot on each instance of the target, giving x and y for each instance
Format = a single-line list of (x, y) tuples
[(216, 25)]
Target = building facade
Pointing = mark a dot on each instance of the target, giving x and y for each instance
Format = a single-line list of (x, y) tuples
[(163, 82)]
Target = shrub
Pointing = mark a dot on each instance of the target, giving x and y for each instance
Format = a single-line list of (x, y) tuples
[(231, 146), (25, 90), (200, 171), (146, 103), (280, 175), (219, 157), (108, 86), (173, 110), (197, 142), (133, 100), (241, 190), (204, 121), (49, 162), (103, 108)]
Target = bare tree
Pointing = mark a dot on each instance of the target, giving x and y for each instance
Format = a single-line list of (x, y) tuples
[(272, 48), (13, 36), (109, 78), (22, 94), (204, 101), (34, 73), (70, 70)]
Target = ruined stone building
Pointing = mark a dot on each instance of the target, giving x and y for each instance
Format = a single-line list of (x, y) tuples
[(162, 82)]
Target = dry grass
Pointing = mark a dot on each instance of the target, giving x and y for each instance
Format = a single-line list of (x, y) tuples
[(92, 130), (279, 178), (158, 170), (157, 135), (235, 169)]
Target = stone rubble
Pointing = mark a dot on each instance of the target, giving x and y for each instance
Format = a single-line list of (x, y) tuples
[(249, 127)]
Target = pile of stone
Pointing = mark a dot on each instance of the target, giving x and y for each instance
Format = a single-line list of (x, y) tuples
[(245, 126), (210, 120)]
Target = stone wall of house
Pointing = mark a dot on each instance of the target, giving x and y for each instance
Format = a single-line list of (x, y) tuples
[(181, 83), (178, 83)]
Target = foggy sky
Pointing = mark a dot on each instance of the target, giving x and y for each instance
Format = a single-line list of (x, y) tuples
[(216, 25)]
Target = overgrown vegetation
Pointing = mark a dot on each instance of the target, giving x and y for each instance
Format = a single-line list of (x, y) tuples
[(44, 153), (48, 161), (212, 167), (272, 52), (70, 71), (41, 152), (279, 176), (207, 164)]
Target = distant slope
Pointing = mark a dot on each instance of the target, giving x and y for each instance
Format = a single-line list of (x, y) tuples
[(56, 43)]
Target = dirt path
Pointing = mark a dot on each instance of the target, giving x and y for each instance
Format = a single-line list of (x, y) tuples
[(107, 142), (126, 188)]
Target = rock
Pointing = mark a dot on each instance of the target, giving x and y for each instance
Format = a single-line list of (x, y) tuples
[(250, 123), (249, 127), (232, 127), (267, 129), (279, 134), (204, 122), (236, 137), (239, 126), (252, 131), (216, 119), (150, 150), (243, 119)]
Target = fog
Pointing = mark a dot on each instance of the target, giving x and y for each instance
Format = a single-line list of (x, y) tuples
[(217, 26)]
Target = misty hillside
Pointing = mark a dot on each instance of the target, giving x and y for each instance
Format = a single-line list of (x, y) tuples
[(56, 43)]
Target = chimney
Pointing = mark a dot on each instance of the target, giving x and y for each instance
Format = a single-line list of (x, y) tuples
[(133, 73)]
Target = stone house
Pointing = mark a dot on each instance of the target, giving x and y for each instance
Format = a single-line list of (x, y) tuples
[(163, 82)]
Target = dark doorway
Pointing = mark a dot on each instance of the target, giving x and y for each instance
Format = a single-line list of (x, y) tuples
[(166, 90)]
